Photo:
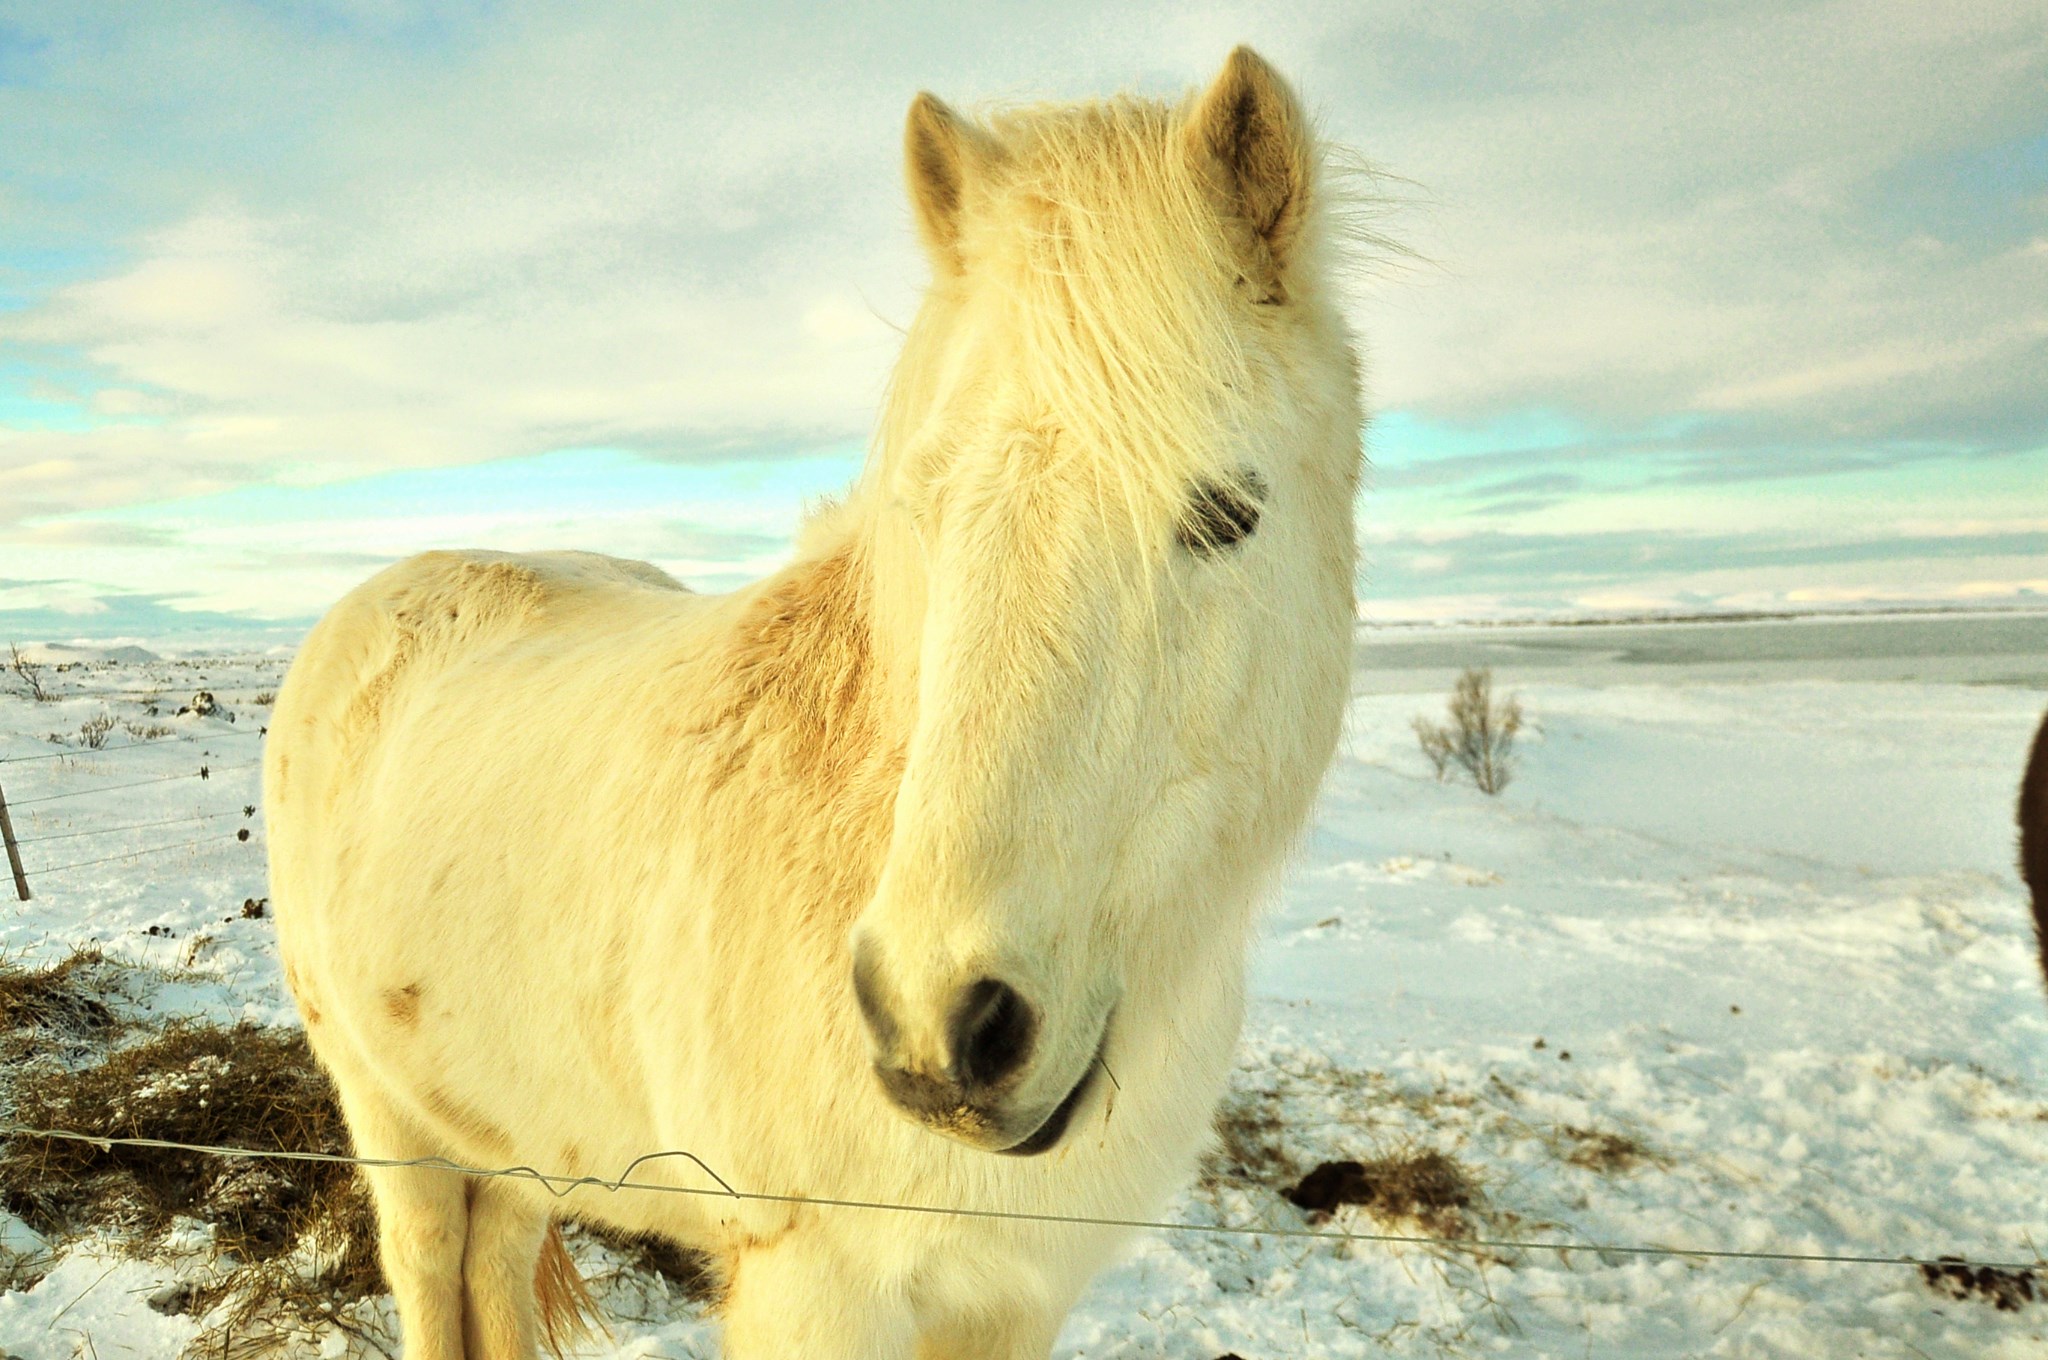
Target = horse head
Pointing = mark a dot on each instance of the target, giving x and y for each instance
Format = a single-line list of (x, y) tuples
[(1112, 560)]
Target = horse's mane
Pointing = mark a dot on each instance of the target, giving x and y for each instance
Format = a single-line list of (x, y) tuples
[(1097, 263)]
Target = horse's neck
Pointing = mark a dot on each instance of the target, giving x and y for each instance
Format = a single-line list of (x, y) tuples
[(800, 744)]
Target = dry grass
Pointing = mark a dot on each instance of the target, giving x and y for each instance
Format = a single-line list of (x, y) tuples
[(297, 1238), (190, 1083), (58, 1010), (1597, 1150), (1419, 1186), (687, 1274)]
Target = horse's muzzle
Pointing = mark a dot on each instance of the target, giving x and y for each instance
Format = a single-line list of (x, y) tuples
[(947, 1108)]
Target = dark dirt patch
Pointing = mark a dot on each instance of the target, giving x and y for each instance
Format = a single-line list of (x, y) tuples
[(1423, 1187), (2006, 1290)]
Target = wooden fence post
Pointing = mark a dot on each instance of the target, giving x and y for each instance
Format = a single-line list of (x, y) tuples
[(13, 850)]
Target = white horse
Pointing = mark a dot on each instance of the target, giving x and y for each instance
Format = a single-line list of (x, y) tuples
[(919, 872)]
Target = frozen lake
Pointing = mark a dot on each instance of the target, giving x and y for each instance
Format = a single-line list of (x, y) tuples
[(1970, 649)]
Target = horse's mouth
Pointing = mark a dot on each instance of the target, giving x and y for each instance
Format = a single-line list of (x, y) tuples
[(1048, 1134)]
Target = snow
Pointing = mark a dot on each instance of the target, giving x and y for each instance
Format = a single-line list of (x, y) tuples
[(1752, 920)]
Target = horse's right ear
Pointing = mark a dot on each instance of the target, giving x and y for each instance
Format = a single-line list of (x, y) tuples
[(941, 150), (1250, 140)]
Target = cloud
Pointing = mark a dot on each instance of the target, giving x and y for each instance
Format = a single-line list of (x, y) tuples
[(258, 245)]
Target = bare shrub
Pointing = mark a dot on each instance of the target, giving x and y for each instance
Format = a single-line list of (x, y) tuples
[(266, 698), (93, 731), (146, 731), (28, 673), (1480, 737), (1436, 744)]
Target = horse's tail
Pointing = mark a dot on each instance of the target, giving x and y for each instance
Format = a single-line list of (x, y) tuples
[(2034, 836), (567, 1312)]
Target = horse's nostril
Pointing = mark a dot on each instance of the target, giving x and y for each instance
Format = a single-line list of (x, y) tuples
[(992, 1033)]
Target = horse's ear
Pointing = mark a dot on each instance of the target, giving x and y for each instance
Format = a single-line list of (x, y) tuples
[(1250, 140), (941, 150)]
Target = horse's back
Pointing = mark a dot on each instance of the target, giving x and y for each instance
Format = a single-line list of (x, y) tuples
[(388, 642), (434, 608)]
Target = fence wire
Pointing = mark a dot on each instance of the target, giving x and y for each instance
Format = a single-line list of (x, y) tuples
[(203, 772), (143, 744), (561, 1186), (125, 826), (132, 854)]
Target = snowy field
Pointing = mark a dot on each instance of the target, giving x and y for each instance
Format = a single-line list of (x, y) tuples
[(1738, 962)]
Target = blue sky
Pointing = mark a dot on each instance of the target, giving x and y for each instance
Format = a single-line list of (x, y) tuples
[(1728, 307)]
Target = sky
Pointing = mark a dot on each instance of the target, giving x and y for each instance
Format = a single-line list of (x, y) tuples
[(1710, 307)]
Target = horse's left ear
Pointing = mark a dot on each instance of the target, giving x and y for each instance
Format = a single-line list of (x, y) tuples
[(1249, 138), (941, 151)]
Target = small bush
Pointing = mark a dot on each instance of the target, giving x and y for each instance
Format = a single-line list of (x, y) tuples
[(1436, 744), (28, 673), (147, 731), (93, 731), (266, 698), (1480, 737)]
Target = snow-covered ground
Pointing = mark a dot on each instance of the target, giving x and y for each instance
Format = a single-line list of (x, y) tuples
[(1738, 962)]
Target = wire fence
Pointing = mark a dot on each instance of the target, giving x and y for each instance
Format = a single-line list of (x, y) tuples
[(125, 826), (205, 771), (562, 1185), (127, 747)]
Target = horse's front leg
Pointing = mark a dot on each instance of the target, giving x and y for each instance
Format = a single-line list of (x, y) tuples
[(499, 1252), (794, 1299), (1002, 1332)]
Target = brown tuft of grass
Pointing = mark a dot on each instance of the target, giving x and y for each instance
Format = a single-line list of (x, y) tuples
[(1421, 1186), (1598, 1150), (57, 1008), (300, 1236), (1248, 1142), (192, 1082)]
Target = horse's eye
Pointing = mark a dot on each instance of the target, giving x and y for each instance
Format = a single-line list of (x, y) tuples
[(1221, 514)]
